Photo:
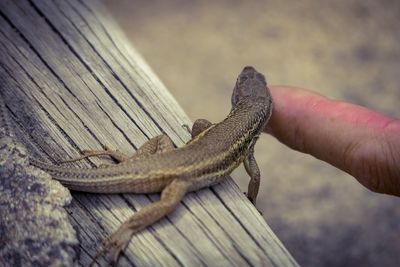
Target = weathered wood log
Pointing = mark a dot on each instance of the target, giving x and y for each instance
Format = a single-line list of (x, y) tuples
[(71, 81)]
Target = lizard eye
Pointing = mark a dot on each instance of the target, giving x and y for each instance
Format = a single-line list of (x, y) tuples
[(242, 79), (260, 77)]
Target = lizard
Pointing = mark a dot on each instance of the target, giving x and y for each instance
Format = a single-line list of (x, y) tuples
[(212, 153)]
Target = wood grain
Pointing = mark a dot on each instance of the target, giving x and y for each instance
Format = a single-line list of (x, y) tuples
[(71, 82)]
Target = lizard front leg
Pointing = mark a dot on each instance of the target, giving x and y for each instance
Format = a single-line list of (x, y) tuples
[(158, 144), (250, 164), (199, 126), (170, 198)]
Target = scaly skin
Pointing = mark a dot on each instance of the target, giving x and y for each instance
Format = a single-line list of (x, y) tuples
[(214, 151)]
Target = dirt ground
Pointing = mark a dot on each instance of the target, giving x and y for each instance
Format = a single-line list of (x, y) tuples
[(346, 50)]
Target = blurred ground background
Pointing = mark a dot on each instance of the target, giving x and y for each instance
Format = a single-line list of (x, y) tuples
[(347, 50)]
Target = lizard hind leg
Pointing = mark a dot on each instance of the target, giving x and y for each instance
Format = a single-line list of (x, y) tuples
[(117, 241), (156, 144), (115, 154)]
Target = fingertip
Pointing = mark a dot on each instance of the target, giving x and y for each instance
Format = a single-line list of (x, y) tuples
[(326, 129), (292, 115)]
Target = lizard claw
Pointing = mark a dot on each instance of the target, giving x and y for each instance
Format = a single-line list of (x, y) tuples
[(249, 198), (112, 249), (98, 254), (187, 128), (113, 246), (252, 201)]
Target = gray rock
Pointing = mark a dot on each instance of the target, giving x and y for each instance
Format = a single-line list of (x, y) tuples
[(34, 227)]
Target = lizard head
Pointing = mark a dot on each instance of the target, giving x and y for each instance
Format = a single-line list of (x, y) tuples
[(250, 84)]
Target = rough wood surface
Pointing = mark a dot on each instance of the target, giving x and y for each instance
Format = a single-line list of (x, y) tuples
[(71, 82)]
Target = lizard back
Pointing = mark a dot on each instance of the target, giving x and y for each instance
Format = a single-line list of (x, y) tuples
[(207, 158)]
